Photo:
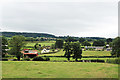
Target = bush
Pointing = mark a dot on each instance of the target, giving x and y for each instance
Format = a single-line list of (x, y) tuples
[(41, 58), (4, 59), (114, 61), (26, 59)]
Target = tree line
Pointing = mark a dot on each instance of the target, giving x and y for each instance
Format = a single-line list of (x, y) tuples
[(71, 48)]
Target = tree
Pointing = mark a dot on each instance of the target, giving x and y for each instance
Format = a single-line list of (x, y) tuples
[(86, 43), (37, 46), (53, 46), (16, 43), (81, 40), (116, 47), (42, 39), (31, 39), (109, 40), (68, 50), (77, 51), (4, 46), (70, 39), (99, 43), (72, 49), (59, 43)]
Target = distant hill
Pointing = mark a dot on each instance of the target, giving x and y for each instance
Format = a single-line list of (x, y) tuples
[(28, 34)]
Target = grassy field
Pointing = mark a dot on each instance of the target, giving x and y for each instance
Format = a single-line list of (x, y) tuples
[(84, 53), (96, 53), (31, 69), (71, 59), (42, 43)]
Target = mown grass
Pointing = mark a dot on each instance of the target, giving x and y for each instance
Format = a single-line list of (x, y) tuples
[(34, 69)]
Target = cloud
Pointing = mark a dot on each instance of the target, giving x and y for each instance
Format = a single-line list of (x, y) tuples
[(62, 18)]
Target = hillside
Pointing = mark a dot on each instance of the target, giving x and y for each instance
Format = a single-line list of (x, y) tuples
[(29, 34)]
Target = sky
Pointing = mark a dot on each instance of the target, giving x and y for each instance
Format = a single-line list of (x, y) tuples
[(80, 18)]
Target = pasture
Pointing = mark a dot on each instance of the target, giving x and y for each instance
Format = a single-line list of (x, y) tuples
[(47, 43), (34, 69), (84, 53)]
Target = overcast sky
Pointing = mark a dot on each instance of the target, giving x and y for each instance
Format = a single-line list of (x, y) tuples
[(62, 18)]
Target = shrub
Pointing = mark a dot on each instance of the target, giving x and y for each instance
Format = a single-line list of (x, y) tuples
[(4, 59), (14, 59), (41, 58), (26, 59), (114, 61)]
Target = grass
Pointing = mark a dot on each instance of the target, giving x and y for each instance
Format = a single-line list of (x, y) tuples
[(96, 53), (32, 69), (71, 59), (84, 53), (60, 53), (42, 43)]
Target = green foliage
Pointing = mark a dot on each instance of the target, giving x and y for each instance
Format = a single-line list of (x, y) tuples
[(109, 40), (114, 61), (72, 49), (86, 43), (37, 46), (116, 47), (68, 50), (4, 46), (59, 44), (10, 34), (99, 43), (53, 46), (26, 59), (81, 40), (38, 58), (76, 51), (16, 43), (70, 39)]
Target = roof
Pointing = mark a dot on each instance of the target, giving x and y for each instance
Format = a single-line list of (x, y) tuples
[(30, 51)]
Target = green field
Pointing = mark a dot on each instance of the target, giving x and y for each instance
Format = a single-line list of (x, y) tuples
[(84, 53), (32, 69), (62, 69), (42, 43), (96, 53)]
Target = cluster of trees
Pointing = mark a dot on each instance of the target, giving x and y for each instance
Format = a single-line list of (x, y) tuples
[(116, 47), (72, 49), (16, 43), (4, 46), (99, 43)]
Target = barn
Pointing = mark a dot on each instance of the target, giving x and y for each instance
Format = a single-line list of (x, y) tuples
[(30, 53)]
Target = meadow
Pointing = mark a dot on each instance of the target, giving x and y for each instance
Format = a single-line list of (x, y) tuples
[(40, 69), (59, 67), (46, 43), (84, 53)]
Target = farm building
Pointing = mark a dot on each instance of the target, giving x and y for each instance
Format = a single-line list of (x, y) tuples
[(109, 49), (30, 53), (45, 50), (95, 48)]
